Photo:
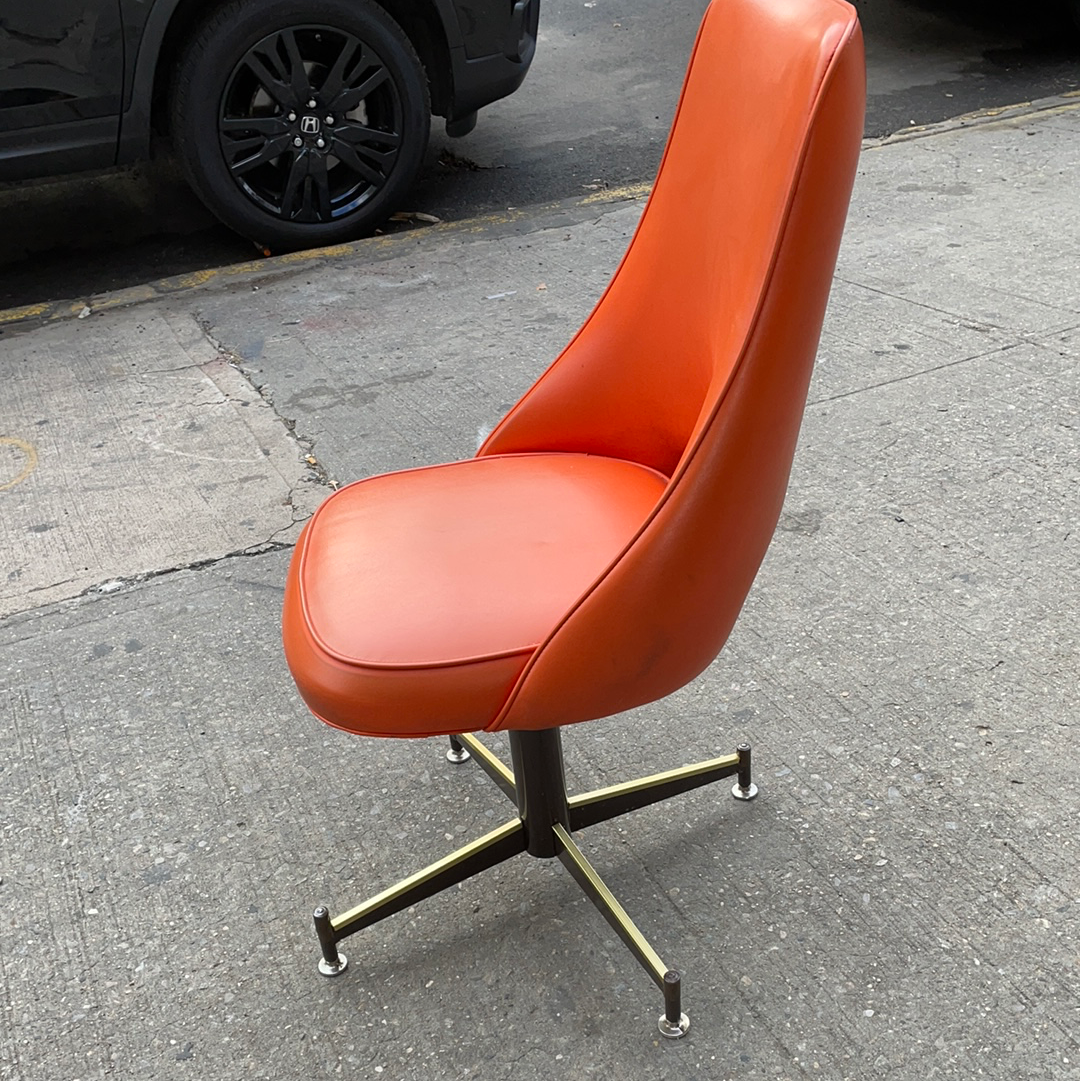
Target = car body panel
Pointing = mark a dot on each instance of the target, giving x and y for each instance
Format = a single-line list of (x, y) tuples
[(81, 80), (61, 81)]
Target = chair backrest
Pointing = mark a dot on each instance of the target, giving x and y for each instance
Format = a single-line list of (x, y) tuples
[(697, 359)]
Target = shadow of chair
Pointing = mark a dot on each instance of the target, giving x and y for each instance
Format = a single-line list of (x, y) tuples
[(596, 552)]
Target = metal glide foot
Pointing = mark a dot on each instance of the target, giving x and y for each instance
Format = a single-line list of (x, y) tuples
[(673, 1022), (333, 968), (673, 1030), (744, 789), (331, 963), (457, 753)]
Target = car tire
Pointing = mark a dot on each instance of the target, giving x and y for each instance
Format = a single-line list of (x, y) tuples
[(300, 123)]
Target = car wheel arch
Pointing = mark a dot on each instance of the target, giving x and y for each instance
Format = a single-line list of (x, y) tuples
[(431, 25)]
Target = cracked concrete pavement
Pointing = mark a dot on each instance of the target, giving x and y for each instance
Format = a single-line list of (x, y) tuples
[(147, 450), (902, 900)]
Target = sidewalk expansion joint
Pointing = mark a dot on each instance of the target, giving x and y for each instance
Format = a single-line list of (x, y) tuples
[(1004, 347), (120, 585), (304, 444)]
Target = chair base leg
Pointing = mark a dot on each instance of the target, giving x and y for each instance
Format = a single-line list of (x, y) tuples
[(546, 819), (493, 848), (606, 803), (673, 1022)]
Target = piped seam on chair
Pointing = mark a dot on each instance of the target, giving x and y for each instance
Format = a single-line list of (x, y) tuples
[(458, 662), (424, 666), (688, 457)]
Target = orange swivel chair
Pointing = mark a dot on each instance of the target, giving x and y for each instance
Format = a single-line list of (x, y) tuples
[(595, 553)]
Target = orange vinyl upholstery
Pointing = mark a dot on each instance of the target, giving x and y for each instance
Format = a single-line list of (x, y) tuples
[(595, 554)]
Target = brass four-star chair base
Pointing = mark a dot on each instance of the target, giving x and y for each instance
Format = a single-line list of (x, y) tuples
[(546, 819)]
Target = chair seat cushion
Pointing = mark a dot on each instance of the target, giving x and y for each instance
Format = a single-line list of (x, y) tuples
[(415, 599)]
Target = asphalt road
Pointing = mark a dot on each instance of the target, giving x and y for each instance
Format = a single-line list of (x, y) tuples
[(593, 113)]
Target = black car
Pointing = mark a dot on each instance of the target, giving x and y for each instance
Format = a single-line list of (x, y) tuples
[(298, 122)]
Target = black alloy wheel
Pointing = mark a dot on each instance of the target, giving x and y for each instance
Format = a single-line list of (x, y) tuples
[(301, 123)]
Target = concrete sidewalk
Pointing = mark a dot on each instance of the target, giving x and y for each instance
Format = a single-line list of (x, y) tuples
[(901, 902)]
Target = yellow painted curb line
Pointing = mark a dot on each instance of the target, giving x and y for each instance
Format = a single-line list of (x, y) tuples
[(271, 266), (27, 311), (1003, 114)]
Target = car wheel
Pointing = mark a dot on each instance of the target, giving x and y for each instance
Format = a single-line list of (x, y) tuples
[(301, 122)]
